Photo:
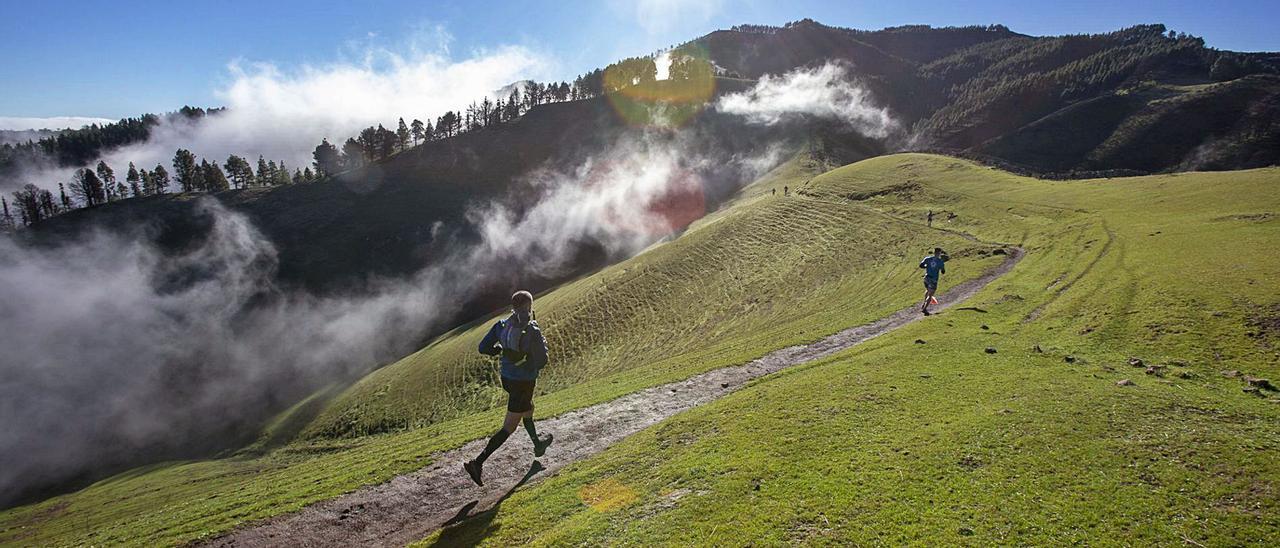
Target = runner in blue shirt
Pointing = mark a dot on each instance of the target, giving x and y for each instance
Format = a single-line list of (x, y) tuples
[(522, 352), (933, 266)]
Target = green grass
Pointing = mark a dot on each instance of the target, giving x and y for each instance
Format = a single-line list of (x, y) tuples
[(1016, 446), (893, 442), (763, 273)]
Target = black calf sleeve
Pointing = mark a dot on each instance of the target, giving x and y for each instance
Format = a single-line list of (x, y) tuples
[(533, 430), (495, 442)]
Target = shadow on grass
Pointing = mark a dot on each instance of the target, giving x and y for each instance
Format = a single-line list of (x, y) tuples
[(464, 529)]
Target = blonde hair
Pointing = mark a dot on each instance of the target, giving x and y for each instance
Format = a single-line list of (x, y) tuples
[(521, 298)]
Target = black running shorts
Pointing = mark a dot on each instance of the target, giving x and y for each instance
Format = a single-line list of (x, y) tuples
[(931, 284), (519, 395)]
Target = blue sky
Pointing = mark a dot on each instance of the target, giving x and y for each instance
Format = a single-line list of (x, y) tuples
[(123, 58)]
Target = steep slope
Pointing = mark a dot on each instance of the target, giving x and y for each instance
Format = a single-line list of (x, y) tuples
[(377, 220), (352, 240), (1208, 126), (1135, 99), (1049, 104), (766, 272), (409, 506), (1052, 436), (393, 217)]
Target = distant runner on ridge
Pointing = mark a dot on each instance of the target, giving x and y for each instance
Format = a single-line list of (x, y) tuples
[(523, 352), (933, 265)]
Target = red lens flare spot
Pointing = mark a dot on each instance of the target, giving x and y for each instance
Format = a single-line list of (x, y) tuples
[(677, 203)]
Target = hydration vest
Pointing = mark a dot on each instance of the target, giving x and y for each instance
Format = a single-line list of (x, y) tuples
[(512, 339)]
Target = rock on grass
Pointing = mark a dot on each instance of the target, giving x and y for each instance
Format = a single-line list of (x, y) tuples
[(1261, 384)]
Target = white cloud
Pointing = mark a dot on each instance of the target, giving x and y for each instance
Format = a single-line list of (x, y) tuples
[(283, 114), (663, 65), (823, 92), (53, 122), (101, 365)]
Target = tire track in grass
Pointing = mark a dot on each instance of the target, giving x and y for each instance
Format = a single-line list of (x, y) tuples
[(411, 506)]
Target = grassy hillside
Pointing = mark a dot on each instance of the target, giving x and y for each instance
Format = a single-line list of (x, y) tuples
[(770, 270), (348, 235), (892, 440), (944, 443), (763, 273)]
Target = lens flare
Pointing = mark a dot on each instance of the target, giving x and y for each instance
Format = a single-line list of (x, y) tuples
[(677, 203), (641, 99)]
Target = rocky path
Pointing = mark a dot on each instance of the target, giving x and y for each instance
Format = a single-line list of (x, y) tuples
[(411, 506)]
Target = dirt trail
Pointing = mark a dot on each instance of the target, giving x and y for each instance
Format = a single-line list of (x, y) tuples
[(411, 506)]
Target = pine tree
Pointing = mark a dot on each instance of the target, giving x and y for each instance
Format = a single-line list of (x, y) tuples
[(27, 200), (265, 172), (513, 105), (87, 187), (6, 221), (238, 171), (134, 179), (108, 178), (473, 116), (484, 112), (66, 200), (212, 177), (368, 140), (46, 203), (185, 170), (328, 160), (530, 95), (387, 140), (148, 183), (402, 135), (281, 174), (160, 179), (417, 130), (447, 125), (353, 154), (307, 175)]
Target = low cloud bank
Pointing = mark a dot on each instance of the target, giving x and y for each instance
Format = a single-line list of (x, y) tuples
[(825, 92), (115, 350), (283, 114)]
